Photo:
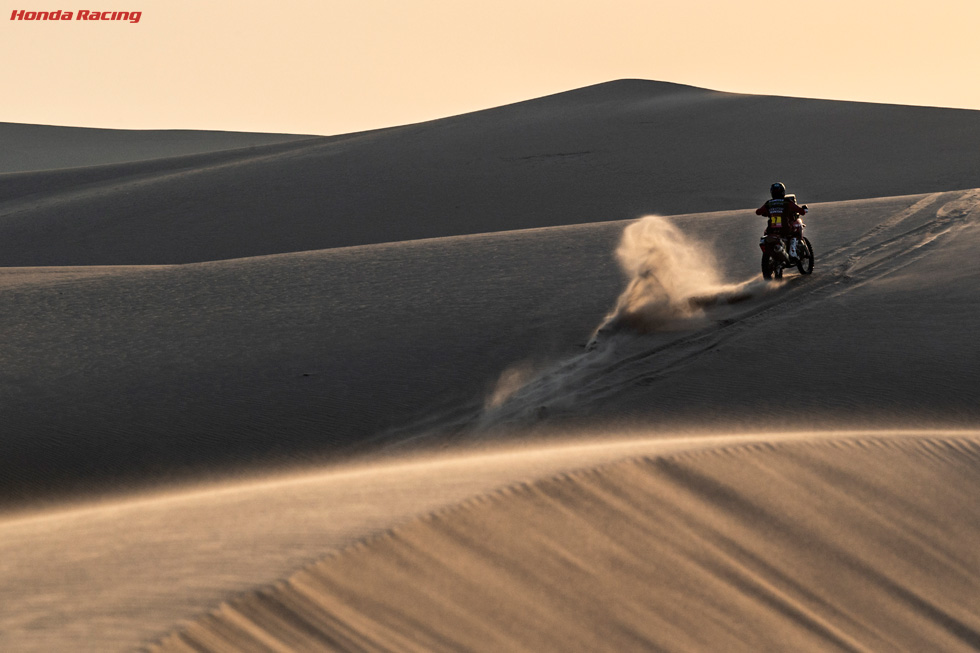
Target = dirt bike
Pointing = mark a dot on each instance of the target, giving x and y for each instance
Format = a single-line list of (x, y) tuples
[(776, 258)]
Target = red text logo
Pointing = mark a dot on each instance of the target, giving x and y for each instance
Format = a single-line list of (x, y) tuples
[(81, 14)]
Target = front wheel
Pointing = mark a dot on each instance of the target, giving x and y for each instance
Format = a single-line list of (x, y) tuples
[(805, 256)]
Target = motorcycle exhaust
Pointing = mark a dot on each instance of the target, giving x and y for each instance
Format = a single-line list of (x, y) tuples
[(781, 253)]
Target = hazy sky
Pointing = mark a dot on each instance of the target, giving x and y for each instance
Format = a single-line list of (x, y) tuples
[(332, 66)]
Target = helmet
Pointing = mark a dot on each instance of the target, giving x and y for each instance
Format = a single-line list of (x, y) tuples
[(778, 190)]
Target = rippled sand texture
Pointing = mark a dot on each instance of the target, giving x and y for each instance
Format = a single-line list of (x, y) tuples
[(843, 545)]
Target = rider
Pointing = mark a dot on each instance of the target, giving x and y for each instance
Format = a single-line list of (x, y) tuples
[(782, 213)]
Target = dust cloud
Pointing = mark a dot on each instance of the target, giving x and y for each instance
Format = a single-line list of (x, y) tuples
[(671, 278), (511, 380)]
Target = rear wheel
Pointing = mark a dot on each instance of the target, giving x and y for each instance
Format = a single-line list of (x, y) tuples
[(805, 256), (766, 266)]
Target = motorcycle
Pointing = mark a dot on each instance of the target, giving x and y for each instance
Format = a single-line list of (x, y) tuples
[(775, 252), (776, 258)]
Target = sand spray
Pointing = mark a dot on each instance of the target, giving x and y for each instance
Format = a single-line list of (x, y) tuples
[(671, 279), (511, 380)]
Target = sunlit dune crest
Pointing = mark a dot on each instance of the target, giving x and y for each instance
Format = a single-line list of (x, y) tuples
[(832, 545)]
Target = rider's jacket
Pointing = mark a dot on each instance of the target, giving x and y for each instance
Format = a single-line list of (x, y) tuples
[(782, 214)]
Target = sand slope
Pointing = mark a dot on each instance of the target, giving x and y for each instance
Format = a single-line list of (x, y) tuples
[(882, 333), (610, 152), (147, 562), (122, 375), (114, 376), (44, 147), (228, 343), (833, 546)]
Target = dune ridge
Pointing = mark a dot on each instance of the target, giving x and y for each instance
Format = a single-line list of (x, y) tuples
[(613, 151), (845, 544), (29, 148), (177, 552), (64, 187)]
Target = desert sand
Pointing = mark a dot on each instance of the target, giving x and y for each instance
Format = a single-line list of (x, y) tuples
[(829, 546), (456, 386), (36, 148)]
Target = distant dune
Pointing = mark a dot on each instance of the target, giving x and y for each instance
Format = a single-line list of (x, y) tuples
[(28, 148), (610, 152), (247, 382)]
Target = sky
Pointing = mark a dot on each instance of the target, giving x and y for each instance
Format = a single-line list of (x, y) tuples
[(338, 66)]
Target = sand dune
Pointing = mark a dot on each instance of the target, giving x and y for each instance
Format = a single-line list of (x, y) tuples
[(122, 375), (178, 552), (209, 546), (33, 148), (881, 334), (141, 374), (196, 337), (846, 545), (614, 151), (145, 564), (29, 148), (183, 370)]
